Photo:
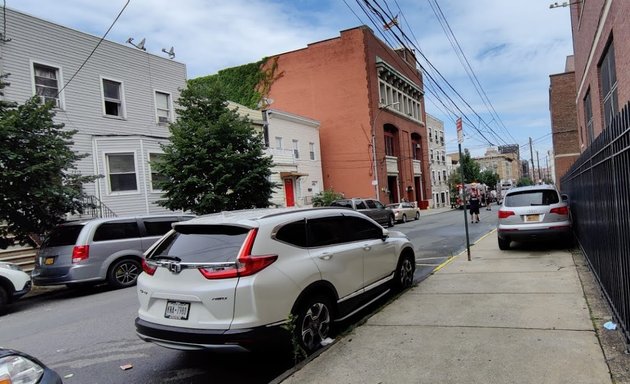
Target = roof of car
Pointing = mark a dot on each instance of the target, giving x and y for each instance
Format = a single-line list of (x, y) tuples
[(247, 216), (531, 188), (107, 219)]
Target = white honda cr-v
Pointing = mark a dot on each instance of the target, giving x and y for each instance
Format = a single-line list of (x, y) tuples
[(233, 280)]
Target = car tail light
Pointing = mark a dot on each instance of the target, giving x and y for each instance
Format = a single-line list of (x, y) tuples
[(560, 210), (245, 265), (505, 214), (80, 252), (149, 267)]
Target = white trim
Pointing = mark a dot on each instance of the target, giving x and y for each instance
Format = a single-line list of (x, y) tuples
[(149, 153), (60, 84), (170, 105), (123, 106), (144, 163), (135, 166)]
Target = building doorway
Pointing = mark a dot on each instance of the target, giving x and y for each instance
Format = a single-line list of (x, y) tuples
[(289, 193)]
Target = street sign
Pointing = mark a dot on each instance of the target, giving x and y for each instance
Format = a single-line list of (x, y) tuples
[(460, 133)]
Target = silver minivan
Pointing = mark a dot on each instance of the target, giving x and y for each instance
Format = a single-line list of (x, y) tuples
[(99, 250)]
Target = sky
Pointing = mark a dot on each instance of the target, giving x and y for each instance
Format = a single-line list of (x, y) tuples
[(511, 47)]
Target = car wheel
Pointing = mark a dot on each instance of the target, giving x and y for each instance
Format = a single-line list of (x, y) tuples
[(404, 218), (391, 221), (124, 273), (417, 215), (314, 323), (504, 244), (403, 278), (4, 300)]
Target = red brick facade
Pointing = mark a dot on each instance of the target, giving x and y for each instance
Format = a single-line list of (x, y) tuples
[(336, 82), (595, 25)]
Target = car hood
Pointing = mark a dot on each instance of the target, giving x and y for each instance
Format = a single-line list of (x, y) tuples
[(397, 234)]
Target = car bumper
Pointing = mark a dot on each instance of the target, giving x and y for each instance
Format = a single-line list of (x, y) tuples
[(62, 275), (23, 291), (538, 233), (191, 339)]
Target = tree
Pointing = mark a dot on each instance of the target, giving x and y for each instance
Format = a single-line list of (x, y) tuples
[(325, 198), (38, 180), (215, 160), (489, 178), (470, 167), (524, 181)]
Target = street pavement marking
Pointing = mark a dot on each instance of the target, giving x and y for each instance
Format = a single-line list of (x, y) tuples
[(427, 265)]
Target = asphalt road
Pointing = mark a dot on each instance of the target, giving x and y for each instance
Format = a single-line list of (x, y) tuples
[(86, 336)]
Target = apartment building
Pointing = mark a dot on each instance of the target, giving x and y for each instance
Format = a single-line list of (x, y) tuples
[(120, 102), (369, 100), (439, 166)]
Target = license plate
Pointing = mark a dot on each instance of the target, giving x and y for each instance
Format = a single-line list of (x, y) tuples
[(532, 217), (49, 261), (177, 310)]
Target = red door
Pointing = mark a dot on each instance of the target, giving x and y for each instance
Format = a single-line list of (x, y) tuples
[(288, 192)]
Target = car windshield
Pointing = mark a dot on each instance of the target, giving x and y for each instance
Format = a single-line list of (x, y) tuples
[(63, 235), (534, 197), (202, 243)]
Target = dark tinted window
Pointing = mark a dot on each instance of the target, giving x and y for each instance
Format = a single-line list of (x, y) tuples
[(535, 197), (326, 231), (116, 231), (361, 229), (370, 203), (158, 227), (64, 235), (378, 204), (293, 233), (360, 204), (342, 203), (203, 243)]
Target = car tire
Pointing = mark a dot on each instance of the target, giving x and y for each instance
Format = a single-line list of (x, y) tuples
[(404, 218), (4, 300), (403, 277), (504, 244), (391, 222), (417, 216), (124, 273), (314, 321)]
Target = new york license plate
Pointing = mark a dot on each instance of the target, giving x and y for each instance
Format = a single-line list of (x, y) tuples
[(532, 217), (177, 310)]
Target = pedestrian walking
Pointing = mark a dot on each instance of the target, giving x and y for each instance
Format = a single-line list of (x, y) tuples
[(474, 206), (488, 201)]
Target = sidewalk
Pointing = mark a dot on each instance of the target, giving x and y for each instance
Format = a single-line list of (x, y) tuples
[(517, 316)]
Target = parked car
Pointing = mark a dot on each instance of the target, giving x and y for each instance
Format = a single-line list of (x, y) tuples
[(533, 213), (13, 284), (232, 281), (372, 208), (99, 250), (404, 211), (18, 367)]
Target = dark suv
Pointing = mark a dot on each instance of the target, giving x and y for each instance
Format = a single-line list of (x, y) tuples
[(374, 209)]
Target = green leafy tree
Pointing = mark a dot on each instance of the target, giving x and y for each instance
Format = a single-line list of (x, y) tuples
[(470, 167), (38, 177), (215, 160), (325, 198), (524, 181), (489, 178)]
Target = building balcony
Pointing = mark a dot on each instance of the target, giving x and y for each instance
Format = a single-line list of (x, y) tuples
[(391, 163), (417, 167), (281, 156)]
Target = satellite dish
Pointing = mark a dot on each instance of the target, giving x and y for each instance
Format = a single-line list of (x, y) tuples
[(141, 45), (170, 53)]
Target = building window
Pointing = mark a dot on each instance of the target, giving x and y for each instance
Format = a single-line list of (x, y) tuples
[(311, 150), (47, 84), (588, 116), (156, 177), (389, 144), (430, 134), (163, 107), (278, 142), (431, 151), (112, 98), (121, 169), (296, 151), (608, 76)]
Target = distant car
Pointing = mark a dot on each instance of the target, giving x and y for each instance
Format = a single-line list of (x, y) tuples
[(233, 281), (374, 209), (533, 213), (99, 250), (13, 284), (405, 211), (18, 367)]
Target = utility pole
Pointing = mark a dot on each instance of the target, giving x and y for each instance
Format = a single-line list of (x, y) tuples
[(460, 139), (538, 161), (531, 158)]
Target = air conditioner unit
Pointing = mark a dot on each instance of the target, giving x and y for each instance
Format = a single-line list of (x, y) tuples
[(162, 119), (418, 146)]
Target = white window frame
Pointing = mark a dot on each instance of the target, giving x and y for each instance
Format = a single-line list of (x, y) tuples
[(311, 149), (296, 148), (169, 106), (60, 83), (153, 190), (107, 173), (123, 107), (278, 143)]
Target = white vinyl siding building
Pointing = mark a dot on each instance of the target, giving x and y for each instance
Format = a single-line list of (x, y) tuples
[(119, 102)]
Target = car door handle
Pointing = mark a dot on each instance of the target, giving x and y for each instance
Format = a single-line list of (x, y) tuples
[(367, 247), (326, 256)]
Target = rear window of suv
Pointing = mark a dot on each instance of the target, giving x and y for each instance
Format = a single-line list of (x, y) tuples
[(203, 243), (63, 236), (529, 198)]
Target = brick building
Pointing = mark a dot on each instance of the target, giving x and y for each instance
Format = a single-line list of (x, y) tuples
[(564, 128), (602, 63), (362, 92)]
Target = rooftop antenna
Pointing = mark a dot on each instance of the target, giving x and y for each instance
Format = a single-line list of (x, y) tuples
[(139, 45), (170, 53)]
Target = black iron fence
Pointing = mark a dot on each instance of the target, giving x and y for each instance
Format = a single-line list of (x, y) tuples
[(598, 185)]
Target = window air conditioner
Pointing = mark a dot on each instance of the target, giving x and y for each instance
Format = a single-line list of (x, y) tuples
[(162, 119)]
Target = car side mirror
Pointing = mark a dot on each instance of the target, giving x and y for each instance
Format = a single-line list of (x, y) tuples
[(385, 234), (564, 197)]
